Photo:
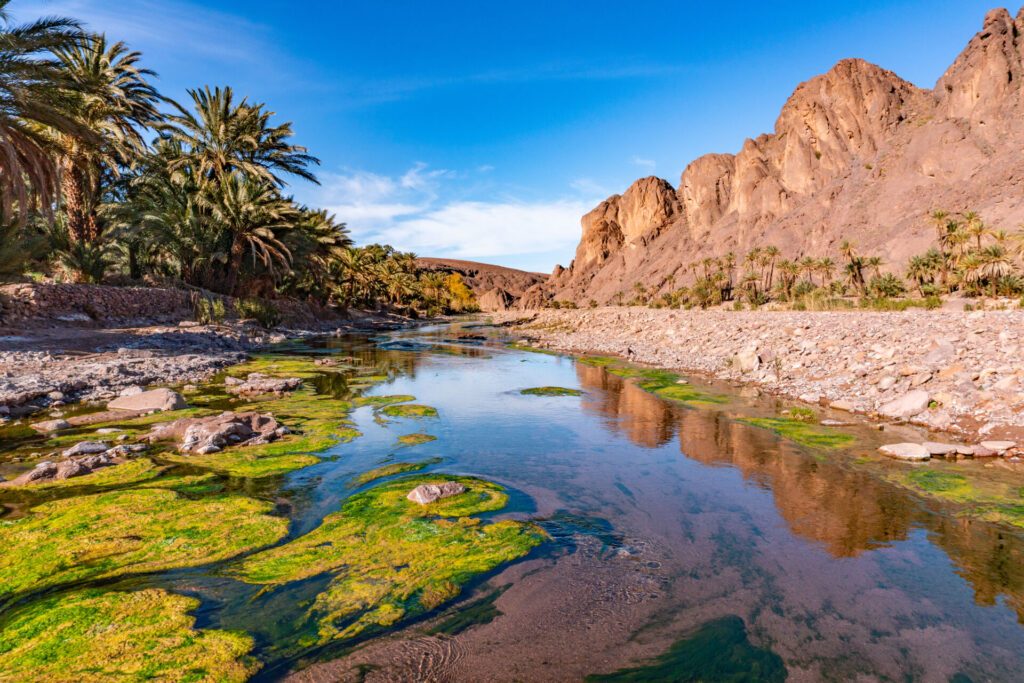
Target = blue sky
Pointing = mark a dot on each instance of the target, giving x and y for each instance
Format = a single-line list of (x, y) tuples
[(485, 130)]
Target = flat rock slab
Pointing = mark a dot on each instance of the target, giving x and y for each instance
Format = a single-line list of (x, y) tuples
[(424, 494), (906, 451), (51, 426), (155, 400), (999, 446), (86, 448), (908, 405), (941, 449)]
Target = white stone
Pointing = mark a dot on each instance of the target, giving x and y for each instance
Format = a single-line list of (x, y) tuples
[(906, 451), (907, 405)]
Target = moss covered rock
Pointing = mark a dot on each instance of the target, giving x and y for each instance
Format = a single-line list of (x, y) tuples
[(391, 558), (93, 636)]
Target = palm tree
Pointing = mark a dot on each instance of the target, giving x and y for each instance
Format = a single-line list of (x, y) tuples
[(975, 227), (995, 265), (826, 267), (919, 270), (111, 97), (222, 137), (772, 254), (807, 266), (255, 216), (875, 263), (32, 99)]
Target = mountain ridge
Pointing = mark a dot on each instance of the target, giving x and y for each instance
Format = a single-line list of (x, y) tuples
[(857, 153)]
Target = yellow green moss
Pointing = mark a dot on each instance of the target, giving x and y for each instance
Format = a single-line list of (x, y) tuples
[(122, 532), (380, 401), (393, 469), (519, 346), (551, 391), (415, 439), (802, 433), (93, 636), (409, 410), (392, 558), (115, 476)]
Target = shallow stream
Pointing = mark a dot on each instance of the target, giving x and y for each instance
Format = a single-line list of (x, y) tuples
[(684, 536)]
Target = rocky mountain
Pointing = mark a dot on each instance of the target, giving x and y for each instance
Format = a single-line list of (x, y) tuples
[(496, 288), (857, 153)]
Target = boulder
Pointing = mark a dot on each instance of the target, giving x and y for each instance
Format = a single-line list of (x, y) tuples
[(211, 434), (747, 360), (147, 401), (907, 405), (86, 448), (424, 494), (906, 451), (67, 469), (51, 426)]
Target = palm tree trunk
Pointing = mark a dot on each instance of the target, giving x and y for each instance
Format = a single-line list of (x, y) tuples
[(72, 191), (236, 255)]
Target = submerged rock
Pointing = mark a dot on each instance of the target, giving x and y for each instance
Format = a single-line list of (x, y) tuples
[(86, 448), (257, 384), (906, 451), (424, 494), (50, 426), (211, 434), (155, 400), (941, 449)]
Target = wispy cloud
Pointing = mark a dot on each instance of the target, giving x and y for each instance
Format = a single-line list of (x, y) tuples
[(407, 211), (184, 26), (648, 164)]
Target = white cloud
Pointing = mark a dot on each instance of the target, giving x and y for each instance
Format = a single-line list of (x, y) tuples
[(649, 164), (407, 211)]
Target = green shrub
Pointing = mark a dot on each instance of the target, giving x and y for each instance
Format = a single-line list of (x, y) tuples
[(208, 311), (263, 312), (932, 302), (887, 286)]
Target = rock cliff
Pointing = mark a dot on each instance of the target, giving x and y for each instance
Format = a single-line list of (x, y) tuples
[(857, 153)]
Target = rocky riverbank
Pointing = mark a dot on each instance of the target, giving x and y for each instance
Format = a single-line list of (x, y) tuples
[(47, 368), (946, 370)]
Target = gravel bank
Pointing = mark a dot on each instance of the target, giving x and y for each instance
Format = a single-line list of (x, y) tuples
[(947, 370), (47, 368)]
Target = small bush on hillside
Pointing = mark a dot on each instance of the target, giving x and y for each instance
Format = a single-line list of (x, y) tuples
[(207, 311), (887, 286)]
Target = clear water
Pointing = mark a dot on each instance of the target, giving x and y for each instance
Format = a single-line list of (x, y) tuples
[(665, 519)]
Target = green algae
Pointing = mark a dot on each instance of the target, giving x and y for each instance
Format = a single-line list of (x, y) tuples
[(551, 391), (409, 410), (662, 383), (391, 558), (93, 636), (381, 401), (598, 361), (115, 476), (992, 501), (394, 468), (415, 439), (798, 431), (245, 462), (802, 414), (717, 651), (189, 484), (519, 346), (122, 532), (948, 485)]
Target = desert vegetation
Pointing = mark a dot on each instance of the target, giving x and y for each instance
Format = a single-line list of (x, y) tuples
[(107, 180), (969, 257)]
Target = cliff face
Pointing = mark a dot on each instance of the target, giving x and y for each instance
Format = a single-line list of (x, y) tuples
[(857, 153)]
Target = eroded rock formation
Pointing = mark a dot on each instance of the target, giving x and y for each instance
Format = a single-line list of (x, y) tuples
[(857, 153)]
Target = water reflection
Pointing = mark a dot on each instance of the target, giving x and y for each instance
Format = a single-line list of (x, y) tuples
[(845, 510)]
